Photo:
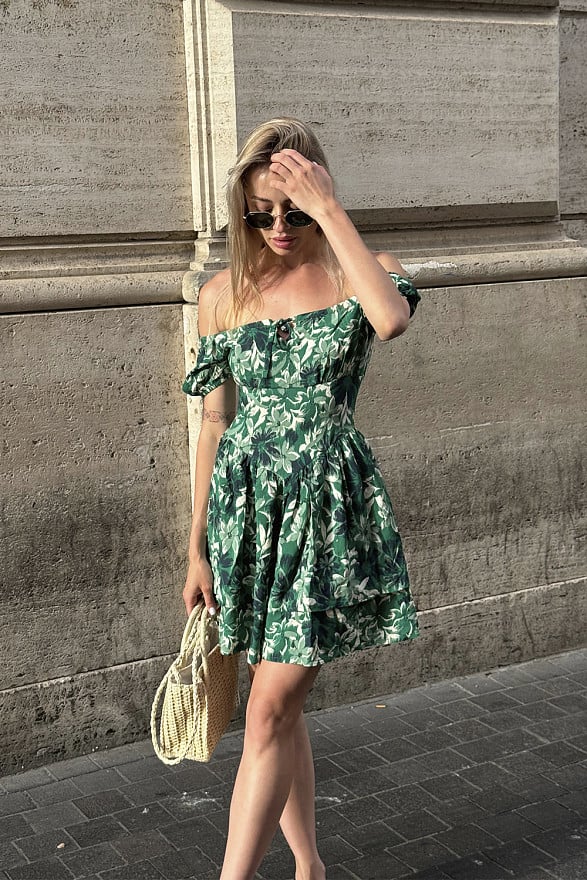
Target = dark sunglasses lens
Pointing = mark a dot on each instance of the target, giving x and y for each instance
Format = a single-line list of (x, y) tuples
[(298, 218), (259, 219)]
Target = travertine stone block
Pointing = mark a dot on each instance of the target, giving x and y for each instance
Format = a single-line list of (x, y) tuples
[(96, 507), (94, 136), (573, 110), (418, 108)]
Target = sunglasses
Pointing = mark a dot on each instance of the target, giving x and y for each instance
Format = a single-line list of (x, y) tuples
[(265, 220)]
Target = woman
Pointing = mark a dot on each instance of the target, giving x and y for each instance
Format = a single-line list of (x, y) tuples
[(293, 543)]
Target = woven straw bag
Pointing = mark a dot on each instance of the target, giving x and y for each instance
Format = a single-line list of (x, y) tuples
[(200, 692)]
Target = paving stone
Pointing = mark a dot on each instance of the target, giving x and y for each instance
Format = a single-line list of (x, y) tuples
[(559, 686), (395, 749), (15, 802), (96, 831), (524, 763), (147, 768), (563, 841), (507, 826), (519, 854), (44, 846), (92, 859), (407, 798), (486, 774), (427, 719), (466, 839), (413, 701), (117, 757), (441, 784), (459, 811), (144, 845), (72, 767), (481, 683), (28, 780), (47, 869), (527, 693), (412, 826), (9, 855), (463, 709), (555, 729), (446, 692), (197, 830), (423, 853), (560, 754), (363, 811), (138, 871), (496, 701), (499, 744), (146, 818), (325, 768), (377, 866), (406, 771), (448, 786), (444, 761), (571, 777), (548, 814), (576, 801), (362, 757), (377, 837), (570, 703), (469, 729), (476, 867), (14, 826), (573, 868), (102, 803), (497, 799), (148, 791), (53, 816), (361, 783), (535, 712), (332, 821), (431, 740), (188, 864), (55, 793), (99, 780)]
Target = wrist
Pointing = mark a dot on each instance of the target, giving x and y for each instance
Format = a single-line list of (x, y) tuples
[(329, 212)]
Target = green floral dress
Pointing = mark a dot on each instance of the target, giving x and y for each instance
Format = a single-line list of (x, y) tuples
[(302, 539)]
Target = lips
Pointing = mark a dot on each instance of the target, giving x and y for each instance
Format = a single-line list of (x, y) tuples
[(284, 241)]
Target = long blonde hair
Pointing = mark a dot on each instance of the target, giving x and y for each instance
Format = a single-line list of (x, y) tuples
[(244, 250)]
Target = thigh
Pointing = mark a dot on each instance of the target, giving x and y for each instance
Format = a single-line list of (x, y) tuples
[(281, 683)]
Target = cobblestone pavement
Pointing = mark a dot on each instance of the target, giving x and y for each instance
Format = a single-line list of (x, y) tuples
[(479, 778)]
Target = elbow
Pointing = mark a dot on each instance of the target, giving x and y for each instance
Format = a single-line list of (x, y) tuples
[(399, 326)]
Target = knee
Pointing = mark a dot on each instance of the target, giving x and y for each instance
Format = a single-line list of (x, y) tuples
[(268, 719)]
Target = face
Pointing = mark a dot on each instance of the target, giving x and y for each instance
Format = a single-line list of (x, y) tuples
[(281, 238)]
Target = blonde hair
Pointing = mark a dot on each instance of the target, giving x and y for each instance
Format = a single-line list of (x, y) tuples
[(245, 252)]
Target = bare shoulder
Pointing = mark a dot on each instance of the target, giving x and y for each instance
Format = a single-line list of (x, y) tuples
[(389, 262), (213, 300)]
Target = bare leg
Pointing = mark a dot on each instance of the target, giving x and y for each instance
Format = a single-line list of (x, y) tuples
[(265, 776), (298, 820)]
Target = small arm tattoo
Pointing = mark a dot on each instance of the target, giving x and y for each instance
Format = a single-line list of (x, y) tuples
[(214, 415)]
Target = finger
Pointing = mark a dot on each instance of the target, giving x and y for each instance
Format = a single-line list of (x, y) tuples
[(289, 163), (296, 157)]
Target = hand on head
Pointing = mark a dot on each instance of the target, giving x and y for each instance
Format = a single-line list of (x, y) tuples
[(307, 184)]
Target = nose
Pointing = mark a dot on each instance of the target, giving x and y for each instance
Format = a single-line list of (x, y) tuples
[(279, 223)]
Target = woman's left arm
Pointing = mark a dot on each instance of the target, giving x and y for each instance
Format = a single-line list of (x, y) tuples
[(310, 188)]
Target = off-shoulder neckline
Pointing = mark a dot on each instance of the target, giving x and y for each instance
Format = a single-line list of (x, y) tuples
[(270, 321)]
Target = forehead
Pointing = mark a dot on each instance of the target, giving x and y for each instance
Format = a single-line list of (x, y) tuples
[(258, 185)]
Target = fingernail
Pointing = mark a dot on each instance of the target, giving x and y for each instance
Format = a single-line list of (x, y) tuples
[(211, 612)]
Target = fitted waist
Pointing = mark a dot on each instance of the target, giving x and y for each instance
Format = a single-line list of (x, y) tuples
[(308, 407)]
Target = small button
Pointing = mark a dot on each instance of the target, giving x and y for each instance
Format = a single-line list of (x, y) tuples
[(283, 330)]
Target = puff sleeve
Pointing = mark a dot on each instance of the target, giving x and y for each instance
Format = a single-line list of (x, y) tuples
[(211, 368), (407, 290)]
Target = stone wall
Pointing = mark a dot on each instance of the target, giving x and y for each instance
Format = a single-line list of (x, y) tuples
[(441, 122)]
